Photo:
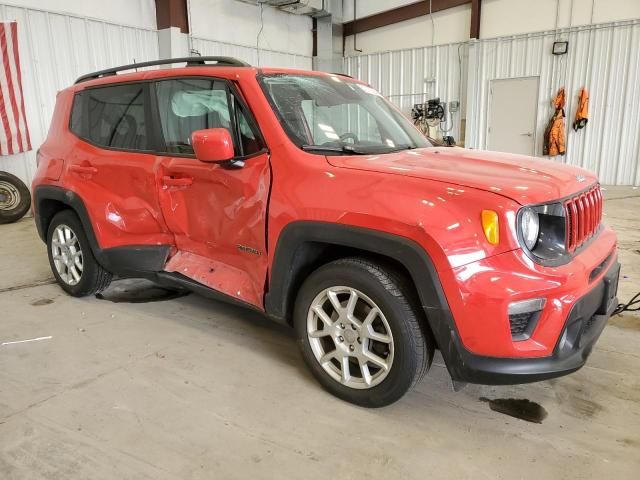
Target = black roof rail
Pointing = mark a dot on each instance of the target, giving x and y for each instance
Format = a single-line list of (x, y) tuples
[(190, 61), (341, 74)]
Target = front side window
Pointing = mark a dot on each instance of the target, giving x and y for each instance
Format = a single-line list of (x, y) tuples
[(248, 137), (189, 104), (333, 114), (113, 117)]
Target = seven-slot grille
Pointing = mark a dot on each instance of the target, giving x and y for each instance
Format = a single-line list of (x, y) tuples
[(584, 214)]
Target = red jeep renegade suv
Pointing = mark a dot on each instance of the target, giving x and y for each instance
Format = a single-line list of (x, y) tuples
[(309, 197)]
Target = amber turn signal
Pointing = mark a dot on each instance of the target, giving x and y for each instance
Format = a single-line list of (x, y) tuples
[(491, 226)]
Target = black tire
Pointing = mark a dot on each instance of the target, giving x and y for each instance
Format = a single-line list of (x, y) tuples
[(15, 199), (94, 278), (412, 345)]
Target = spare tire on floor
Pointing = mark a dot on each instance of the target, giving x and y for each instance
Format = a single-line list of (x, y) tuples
[(15, 198)]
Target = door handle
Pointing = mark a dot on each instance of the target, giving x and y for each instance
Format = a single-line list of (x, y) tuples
[(177, 182), (83, 169), (528, 134)]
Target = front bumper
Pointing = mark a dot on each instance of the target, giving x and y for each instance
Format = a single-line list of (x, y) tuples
[(585, 322)]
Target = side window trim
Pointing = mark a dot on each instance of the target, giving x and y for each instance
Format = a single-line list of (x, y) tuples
[(156, 143)]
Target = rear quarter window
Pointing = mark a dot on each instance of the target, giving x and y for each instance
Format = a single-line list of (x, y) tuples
[(112, 117)]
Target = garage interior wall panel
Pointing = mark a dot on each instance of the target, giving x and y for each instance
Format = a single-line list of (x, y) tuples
[(411, 76), (446, 26), (605, 58), (55, 49), (235, 27), (249, 54), (513, 17)]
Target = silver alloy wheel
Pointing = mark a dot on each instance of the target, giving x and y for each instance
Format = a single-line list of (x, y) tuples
[(9, 196), (67, 254), (350, 337)]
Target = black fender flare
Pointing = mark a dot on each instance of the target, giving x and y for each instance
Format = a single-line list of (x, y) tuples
[(67, 197), (404, 250), (128, 261)]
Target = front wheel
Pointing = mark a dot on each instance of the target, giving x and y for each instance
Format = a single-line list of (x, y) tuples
[(359, 332)]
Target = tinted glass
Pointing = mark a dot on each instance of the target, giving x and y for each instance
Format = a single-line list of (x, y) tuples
[(187, 105), (112, 116), (249, 138), (335, 112)]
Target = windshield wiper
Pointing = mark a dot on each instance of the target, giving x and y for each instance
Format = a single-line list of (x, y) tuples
[(399, 148), (344, 149), (349, 149)]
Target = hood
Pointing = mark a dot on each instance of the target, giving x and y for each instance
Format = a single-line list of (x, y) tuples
[(526, 180)]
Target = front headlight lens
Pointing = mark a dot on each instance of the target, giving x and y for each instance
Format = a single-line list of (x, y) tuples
[(530, 227)]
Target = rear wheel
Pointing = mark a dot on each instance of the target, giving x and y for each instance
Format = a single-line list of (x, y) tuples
[(15, 198), (72, 262), (360, 333)]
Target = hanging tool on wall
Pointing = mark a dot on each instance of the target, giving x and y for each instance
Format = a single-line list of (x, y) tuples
[(582, 113), (428, 115), (431, 118), (434, 112), (554, 134)]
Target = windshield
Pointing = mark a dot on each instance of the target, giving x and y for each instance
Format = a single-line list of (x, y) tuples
[(331, 114)]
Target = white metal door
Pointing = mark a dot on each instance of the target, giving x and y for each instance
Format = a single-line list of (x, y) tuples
[(513, 108)]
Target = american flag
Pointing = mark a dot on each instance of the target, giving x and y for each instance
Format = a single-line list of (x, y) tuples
[(14, 134)]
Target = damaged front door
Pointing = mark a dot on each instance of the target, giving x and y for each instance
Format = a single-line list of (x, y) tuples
[(216, 212)]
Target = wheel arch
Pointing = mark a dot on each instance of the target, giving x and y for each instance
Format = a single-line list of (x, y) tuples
[(49, 200), (125, 261), (305, 245)]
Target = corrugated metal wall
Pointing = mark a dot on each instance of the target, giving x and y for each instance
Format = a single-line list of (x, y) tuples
[(54, 50), (271, 58), (415, 75), (604, 58)]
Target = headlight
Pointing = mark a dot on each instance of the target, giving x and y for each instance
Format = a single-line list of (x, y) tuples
[(541, 233), (530, 227)]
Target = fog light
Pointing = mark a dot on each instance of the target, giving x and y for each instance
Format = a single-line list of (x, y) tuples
[(523, 317), (527, 306)]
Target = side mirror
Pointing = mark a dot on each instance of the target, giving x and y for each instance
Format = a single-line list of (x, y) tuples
[(213, 145)]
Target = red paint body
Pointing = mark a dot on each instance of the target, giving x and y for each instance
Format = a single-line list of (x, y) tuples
[(432, 196)]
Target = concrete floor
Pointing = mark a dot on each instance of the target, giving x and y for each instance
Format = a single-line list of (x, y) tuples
[(194, 389)]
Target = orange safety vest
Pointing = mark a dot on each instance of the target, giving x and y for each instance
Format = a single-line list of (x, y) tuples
[(554, 134), (582, 113)]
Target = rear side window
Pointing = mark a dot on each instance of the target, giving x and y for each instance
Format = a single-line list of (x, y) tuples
[(113, 117), (189, 104)]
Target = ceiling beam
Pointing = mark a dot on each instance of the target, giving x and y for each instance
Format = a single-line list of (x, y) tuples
[(476, 14), (400, 14), (172, 13)]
